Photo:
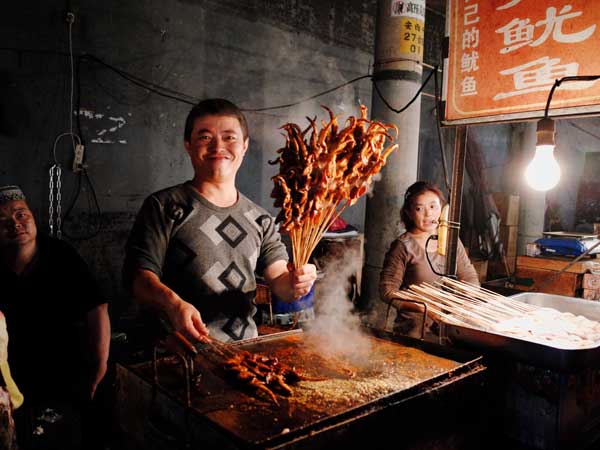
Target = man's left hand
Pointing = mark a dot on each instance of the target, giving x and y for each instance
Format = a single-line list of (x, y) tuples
[(302, 279)]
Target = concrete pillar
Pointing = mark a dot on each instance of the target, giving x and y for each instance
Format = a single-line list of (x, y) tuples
[(397, 72), (532, 203)]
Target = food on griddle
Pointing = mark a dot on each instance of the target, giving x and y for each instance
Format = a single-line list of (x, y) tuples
[(322, 173), (263, 374), (463, 304)]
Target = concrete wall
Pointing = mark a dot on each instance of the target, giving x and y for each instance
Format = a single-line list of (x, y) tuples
[(256, 53)]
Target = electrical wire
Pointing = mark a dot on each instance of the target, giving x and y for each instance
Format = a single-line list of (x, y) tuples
[(84, 176), (78, 104), (157, 89), (58, 138), (437, 101), (191, 100), (81, 176), (320, 94), (405, 107), (72, 83)]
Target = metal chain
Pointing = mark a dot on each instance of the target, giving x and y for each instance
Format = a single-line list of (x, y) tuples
[(58, 202), (55, 172), (51, 200)]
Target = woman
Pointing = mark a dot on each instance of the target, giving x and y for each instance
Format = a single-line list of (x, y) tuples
[(406, 262)]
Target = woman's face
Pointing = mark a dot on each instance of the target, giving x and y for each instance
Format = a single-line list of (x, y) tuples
[(426, 212)]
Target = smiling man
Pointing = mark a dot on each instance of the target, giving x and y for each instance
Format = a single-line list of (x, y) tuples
[(195, 248)]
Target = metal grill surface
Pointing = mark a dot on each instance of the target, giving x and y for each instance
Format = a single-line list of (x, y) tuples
[(353, 386)]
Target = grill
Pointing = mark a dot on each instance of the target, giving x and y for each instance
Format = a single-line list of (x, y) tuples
[(432, 390)]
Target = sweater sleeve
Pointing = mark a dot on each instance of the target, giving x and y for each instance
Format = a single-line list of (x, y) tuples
[(392, 273), (148, 241), (272, 249), (464, 269)]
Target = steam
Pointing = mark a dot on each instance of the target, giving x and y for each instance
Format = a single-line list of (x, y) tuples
[(336, 329)]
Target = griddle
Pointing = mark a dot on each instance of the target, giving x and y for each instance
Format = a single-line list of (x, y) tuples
[(396, 369)]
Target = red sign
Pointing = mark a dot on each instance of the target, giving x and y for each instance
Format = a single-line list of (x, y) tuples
[(504, 56)]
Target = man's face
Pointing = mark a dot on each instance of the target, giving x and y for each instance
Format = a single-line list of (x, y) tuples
[(216, 147), (17, 225)]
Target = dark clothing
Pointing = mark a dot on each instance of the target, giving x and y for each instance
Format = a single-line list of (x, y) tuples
[(43, 308)]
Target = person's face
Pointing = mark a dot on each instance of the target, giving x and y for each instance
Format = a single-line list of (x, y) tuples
[(17, 225), (426, 212), (216, 147)]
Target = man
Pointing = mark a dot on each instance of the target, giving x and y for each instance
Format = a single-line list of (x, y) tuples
[(58, 325), (195, 247)]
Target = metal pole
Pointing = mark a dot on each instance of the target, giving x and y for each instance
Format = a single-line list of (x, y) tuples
[(397, 72), (458, 170)]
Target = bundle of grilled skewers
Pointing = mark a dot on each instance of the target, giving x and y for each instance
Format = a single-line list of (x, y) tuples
[(464, 304), (259, 373), (321, 172)]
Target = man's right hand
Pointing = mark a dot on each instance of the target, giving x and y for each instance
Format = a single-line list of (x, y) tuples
[(186, 319)]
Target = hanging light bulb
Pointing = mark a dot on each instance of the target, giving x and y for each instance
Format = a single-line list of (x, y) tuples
[(543, 172)]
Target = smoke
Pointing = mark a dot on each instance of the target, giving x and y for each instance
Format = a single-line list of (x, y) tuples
[(371, 188), (336, 330)]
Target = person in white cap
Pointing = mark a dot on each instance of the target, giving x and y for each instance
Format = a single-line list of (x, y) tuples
[(57, 320)]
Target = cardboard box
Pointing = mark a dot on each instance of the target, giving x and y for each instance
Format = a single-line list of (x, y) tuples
[(509, 236), (552, 263), (591, 281), (591, 294), (508, 206), (550, 282)]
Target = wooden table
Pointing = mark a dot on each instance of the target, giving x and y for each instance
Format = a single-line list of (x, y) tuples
[(544, 271)]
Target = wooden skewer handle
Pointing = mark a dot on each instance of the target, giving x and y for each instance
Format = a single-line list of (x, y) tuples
[(185, 342)]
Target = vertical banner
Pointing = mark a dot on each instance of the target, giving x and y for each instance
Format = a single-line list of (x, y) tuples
[(505, 55)]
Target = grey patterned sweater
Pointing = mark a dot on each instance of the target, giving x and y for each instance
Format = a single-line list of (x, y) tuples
[(207, 254)]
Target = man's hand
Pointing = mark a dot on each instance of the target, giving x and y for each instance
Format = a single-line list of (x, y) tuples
[(183, 316), (302, 279), (289, 284), (186, 319)]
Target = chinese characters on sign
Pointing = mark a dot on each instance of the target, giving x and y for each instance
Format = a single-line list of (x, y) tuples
[(412, 17), (504, 56)]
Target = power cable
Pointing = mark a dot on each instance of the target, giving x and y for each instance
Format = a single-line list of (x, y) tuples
[(157, 89), (439, 129), (320, 94), (405, 107), (191, 100)]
